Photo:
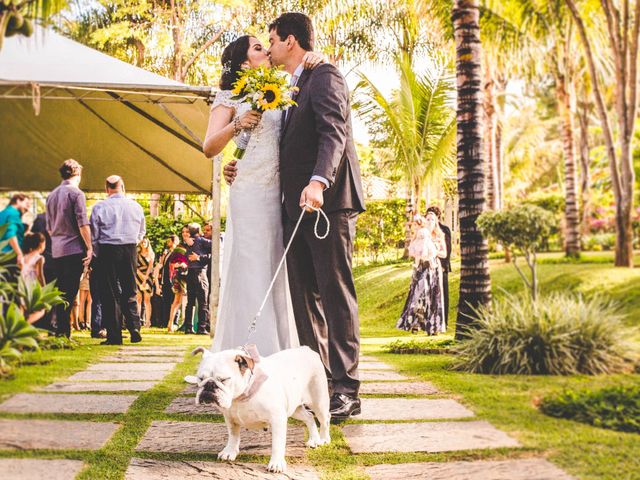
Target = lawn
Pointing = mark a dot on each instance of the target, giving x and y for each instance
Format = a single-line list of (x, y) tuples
[(509, 402)]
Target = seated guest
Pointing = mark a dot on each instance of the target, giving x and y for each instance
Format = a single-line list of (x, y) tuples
[(117, 225)]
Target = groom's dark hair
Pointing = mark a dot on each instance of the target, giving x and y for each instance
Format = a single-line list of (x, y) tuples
[(296, 24)]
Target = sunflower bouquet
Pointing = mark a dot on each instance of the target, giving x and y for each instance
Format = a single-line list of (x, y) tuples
[(264, 88)]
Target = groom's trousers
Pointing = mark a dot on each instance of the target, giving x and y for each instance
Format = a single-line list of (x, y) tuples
[(324, 296)]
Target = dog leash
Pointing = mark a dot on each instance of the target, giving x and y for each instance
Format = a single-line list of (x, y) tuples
[(319, 213)]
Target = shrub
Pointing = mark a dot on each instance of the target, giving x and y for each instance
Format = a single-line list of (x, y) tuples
[(15, 335), (420, 346), (599, 242), (558, 335), (523, 230), (615, 408), (381, 227)]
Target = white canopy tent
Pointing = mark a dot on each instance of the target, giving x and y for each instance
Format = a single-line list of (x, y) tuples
[(60, 99)]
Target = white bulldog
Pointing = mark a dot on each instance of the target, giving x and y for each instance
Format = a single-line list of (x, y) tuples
[(256, 392)]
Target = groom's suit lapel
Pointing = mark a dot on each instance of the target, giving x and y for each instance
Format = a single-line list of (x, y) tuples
[(292, 110)]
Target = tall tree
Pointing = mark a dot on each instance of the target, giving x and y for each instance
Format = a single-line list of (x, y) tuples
[(475, 282), (622, 20)]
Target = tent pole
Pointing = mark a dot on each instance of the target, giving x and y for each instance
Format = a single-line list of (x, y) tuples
[(214, 298)]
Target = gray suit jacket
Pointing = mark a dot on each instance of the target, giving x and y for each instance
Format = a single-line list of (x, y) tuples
[(317, 139)]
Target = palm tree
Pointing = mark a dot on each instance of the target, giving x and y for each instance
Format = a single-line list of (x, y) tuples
[(419, 121), (544, 29), (475, 282), (17, 16)]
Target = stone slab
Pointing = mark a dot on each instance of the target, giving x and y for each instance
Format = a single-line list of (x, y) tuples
[(141, 358), (202, 437), (374, 366), (411, 409), (527, 469), (380, 375), (77, 387), (397, 388), (117, 376), (366, 358), (131, 367), (140, 469), (425, 437), (187, 405), (189, 390), (66, 403), (54, 434), (36, 469)]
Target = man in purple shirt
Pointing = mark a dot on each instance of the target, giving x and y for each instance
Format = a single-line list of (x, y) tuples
[(68, 227)]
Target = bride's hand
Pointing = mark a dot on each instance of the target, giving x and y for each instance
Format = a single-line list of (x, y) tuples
[(249, 120), (230, 171), (312, 59)]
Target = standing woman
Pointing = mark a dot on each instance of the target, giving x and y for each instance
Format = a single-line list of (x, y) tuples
[(144, 281), (424, 308), (178, 276)]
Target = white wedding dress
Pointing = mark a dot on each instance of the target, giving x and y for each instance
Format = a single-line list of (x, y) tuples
[(253, 246)]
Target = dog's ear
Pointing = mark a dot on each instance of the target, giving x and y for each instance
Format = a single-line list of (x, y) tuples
[(201, 350), (244, 362), (192, 379)]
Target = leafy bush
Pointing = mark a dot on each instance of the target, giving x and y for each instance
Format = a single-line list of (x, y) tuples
[(558, 335), (34, 297), (420, 346), (523, 230), (381, 227), (161, 227), (15, 335), (615, 408), (599, 242)]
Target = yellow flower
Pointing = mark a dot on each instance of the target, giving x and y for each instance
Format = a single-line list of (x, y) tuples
[(239, 85), (272, 95)]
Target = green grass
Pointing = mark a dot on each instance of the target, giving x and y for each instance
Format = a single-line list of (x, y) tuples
[(509, 402)]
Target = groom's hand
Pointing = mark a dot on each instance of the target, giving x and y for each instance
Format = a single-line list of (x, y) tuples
[(312, 195), (230, 171)]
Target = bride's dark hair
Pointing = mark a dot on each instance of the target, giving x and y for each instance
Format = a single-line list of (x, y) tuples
[(233, 56)]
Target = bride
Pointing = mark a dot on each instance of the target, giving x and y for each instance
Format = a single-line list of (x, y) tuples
[(253, 244)]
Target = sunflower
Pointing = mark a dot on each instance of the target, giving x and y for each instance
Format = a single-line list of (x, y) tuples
[(238, 87), (271, 96)]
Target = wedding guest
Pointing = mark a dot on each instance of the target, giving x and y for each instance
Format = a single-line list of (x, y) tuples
[(424, 307), (164, 279), (199, 256), (12, 217), (446, 261), (117, 225), (33, 246), (84, 299), (39, 225), (71, 248), (157, 308), (178, 274), (144, 282), (95, 287)]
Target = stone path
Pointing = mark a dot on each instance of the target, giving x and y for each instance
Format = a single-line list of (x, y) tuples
[(120, 374), (399, 415)]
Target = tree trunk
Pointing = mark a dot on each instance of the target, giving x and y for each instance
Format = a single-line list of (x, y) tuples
[(585, 173), (572, 220), (475, 282), (154, 205), (490, 130), (176, 33), (501, 85)]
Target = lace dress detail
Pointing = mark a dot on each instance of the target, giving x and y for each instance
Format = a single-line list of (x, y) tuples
[(260, 164)]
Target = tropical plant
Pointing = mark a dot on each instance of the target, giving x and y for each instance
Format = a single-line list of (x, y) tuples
[(17, 17), (557, 335), (523, 230), (15, 334), (475, 282)]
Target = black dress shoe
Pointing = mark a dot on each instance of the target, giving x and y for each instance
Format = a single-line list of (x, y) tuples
[(135, 336), (344, 406), (111, 342)]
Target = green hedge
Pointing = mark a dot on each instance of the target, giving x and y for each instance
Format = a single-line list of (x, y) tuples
[(381, 228)]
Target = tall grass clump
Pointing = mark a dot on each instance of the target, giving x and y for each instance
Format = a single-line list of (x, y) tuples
[(558, 334)]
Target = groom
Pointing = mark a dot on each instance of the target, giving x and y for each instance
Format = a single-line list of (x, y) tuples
[(319, 167)]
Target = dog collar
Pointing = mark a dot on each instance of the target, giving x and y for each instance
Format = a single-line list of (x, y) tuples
[(258, 377)]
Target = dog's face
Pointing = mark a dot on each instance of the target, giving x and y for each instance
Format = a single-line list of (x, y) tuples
[(221, 376)]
